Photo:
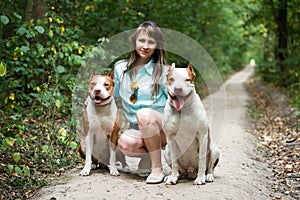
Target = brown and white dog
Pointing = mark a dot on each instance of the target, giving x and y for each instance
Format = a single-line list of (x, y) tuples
[(101, 126), (186, 126)]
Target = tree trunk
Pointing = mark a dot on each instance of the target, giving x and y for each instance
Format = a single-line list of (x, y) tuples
[(28, 10), (282, 40), (280, 15), (34, 9)]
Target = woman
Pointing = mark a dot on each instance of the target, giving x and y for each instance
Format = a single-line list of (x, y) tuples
[(140, 84)]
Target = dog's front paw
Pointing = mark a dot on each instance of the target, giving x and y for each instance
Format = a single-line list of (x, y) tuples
[(113, 171), (209, 177), (200, 180), (171, 180), (85, 171)]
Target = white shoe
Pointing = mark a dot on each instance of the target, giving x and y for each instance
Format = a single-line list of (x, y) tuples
[(155, 179)]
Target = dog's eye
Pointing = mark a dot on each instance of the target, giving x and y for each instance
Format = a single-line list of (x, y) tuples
[(187, 80), (106, 84), (92, 84)]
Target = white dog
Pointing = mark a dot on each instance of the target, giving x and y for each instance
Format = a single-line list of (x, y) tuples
[(186, 126), (101, 127)]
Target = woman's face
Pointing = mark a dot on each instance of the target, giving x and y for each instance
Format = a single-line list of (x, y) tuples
[(145, 46)]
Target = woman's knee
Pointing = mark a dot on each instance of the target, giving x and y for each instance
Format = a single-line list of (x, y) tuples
[(123, 143), (144, 117), (128, 144)]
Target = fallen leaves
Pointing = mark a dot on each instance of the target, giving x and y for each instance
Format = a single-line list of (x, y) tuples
[(278, 129)]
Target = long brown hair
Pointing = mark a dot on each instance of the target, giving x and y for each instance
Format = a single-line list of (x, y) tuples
[(152, 30)]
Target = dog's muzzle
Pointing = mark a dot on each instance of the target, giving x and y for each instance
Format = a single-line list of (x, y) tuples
[(178, 101), (98, 100)]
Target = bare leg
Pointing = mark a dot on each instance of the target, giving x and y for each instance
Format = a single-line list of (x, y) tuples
[(150, 139), (153, 137), (131, 143)]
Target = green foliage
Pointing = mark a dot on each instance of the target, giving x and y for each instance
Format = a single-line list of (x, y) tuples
[(39, 61), (36, 60), (263, 23), (36, 146)]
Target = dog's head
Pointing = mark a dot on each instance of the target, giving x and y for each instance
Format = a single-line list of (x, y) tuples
[(180, 84), (101, 89)]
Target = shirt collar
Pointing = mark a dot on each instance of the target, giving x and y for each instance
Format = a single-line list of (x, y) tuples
[(148, 67)]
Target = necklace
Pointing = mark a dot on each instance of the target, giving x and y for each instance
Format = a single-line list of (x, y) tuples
[(133, 97)]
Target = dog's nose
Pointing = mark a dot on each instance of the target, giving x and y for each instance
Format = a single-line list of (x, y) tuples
[(178, 90), (97, 91)]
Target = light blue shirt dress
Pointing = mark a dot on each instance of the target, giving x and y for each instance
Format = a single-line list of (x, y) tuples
[(144, 81)]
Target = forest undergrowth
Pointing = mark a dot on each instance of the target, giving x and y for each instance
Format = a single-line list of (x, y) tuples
[(277, 127)]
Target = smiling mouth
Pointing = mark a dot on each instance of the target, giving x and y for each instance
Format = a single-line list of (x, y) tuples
[(175, 97), (144, 50), (98, 100), (178, 100)]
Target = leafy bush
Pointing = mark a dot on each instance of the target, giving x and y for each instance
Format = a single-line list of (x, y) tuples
[(39, 77), (37, 134)]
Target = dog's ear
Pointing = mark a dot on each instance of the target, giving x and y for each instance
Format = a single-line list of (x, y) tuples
[(190, 67), (191, 72), (171, 68), (93, 73), (111, 74)]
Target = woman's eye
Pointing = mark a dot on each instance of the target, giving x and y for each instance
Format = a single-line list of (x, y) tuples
[(141, 40), (151, 42)]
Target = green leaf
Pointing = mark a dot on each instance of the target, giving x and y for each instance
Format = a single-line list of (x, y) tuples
[(30, 34), (18, 170), (57, 161), (51, 150), (2, 69), (10, 141), (21, 31), (10, 168), (25, 49), (19, 141), (50, 33), (60, 69), (33, 138), (45, 148), (16, 157), (62, 132), (73, 145), (60, 55), (4, 144), (26, 171), (39, 29), (61, 139), (4, 19), (17, 15), (57, 103)]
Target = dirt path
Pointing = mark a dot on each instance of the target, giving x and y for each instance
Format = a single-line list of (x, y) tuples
[(239, 174)]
